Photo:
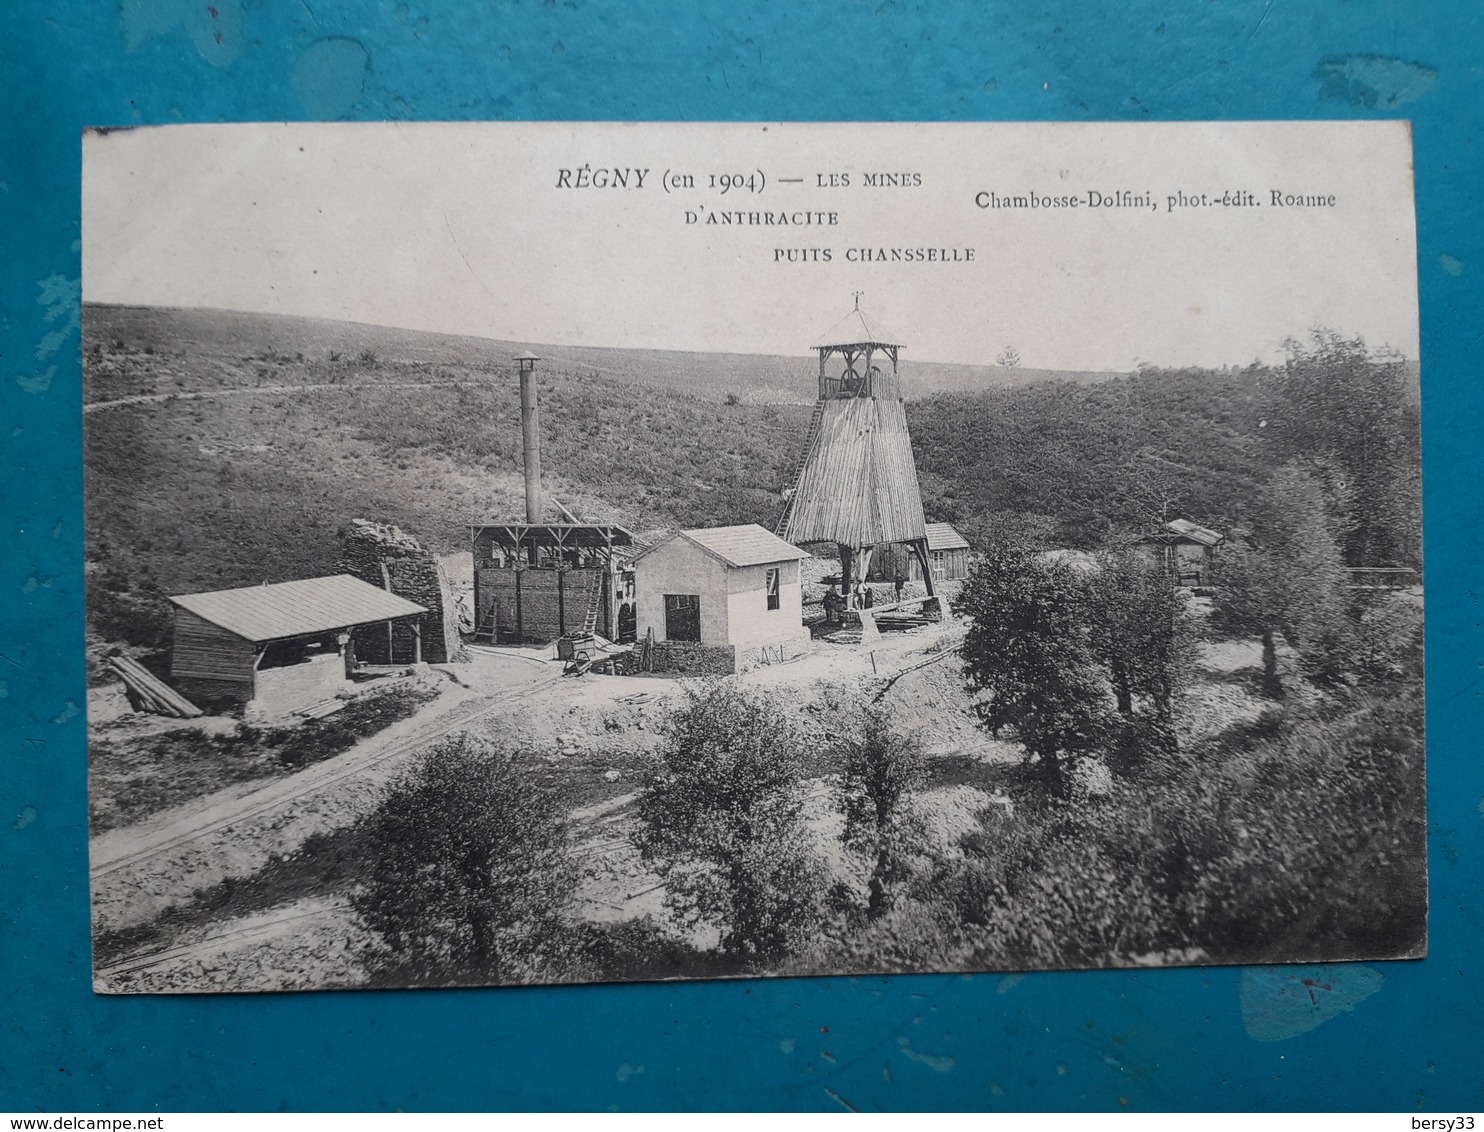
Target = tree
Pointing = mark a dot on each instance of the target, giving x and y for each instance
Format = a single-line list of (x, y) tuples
[(722, 822), (1287, 578), (1142, 633), (1251, 592), (1009, 357), (1028, 649), (471, 876), (1350, 417), (880, 768)]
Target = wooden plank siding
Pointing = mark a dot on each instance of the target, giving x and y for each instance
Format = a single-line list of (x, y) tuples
[(859, 487), (201, 649)]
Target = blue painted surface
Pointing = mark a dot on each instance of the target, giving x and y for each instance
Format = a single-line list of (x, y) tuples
[(1404, 1036)]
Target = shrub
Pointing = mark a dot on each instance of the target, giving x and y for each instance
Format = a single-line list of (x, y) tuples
[(880, 769), (1312, 843), (1296, 840), (471, 878)]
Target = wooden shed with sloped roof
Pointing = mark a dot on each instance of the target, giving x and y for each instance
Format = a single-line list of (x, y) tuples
[(1188, 551), (947, 554), (284, 646)]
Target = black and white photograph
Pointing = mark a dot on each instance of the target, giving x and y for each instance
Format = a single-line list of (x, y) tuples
[(546, 552)]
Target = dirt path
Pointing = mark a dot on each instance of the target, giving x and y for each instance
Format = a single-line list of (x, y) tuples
[(317, 941), (309, 944), (316, 387), (139, 870), (120, 848)]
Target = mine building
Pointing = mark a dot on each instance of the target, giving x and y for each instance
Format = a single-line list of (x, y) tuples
[(276, 649), (947, 553), (540, 581), (719, 599), (536, 581), (1188, 551), (857, 488)]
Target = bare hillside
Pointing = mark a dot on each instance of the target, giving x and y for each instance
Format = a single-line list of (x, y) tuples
[(268, 338)]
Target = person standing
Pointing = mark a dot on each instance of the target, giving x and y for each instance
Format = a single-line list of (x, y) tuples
[(832, 605)]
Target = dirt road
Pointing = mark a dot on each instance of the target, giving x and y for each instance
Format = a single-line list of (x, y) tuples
[(140, 870), (315, 387)]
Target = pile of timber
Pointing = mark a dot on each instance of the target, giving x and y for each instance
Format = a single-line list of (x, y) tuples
[(148, 692), (321, 709), (617, 661)]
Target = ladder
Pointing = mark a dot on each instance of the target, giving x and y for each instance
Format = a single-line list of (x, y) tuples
[(491, 625), (594, 604), (809, 438)]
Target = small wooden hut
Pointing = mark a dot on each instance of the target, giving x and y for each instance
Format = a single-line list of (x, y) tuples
[(947, 554), (1188, 551)]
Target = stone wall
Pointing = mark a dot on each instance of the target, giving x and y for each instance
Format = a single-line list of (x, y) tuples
[(389, 558), (685, 659)]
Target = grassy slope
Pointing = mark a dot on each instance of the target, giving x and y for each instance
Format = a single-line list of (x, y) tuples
[(187, 495), (194, 494)]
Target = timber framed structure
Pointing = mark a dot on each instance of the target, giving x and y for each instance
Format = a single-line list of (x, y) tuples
[(275, 648), (857, 482), (541, 581)]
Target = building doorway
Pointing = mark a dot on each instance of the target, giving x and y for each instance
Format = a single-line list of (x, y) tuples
[(683, 617)]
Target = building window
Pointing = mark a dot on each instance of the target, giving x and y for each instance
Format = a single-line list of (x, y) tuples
[(683, 617), (772, 588), (940, 564)]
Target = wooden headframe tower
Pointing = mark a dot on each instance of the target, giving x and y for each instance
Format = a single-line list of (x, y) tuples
[(857, 484)]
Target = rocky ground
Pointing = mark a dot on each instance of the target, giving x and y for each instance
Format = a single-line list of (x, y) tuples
[(156, 884)]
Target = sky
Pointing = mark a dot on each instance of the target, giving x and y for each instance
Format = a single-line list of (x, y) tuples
[(502, 230)]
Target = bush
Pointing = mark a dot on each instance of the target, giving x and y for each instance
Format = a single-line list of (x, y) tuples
[(880, 770), (1313, 843), (1296, 840), (471, 878)]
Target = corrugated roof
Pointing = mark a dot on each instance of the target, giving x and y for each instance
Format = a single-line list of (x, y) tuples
[(942, 536), (294, 609), (745, 545), (855, 329), (859, 485), (1186, 529)]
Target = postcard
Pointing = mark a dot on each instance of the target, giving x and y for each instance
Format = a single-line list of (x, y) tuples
[(556, 552)]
